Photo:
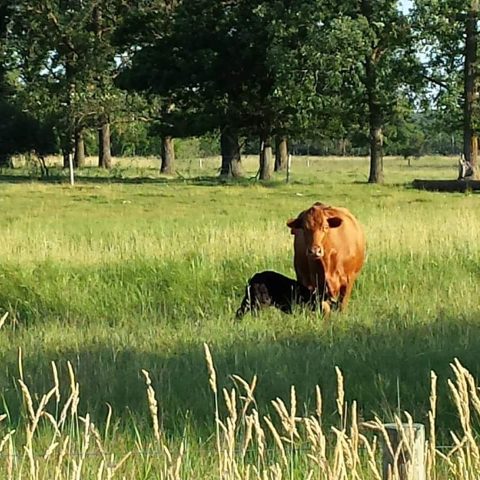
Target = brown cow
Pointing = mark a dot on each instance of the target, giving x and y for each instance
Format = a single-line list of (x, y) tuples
[(329, 251)]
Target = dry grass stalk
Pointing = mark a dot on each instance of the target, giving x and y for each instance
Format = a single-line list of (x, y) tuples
[(342, 456), (212, 379), (5, 439), (469, 456), (85, 445), (10, 459), (56, 382), (75, 391), (318, 441), (229, 429), (260, 435), (354, 441), (52, 447), (98, 441), (112, 468), (20, 363), (278, 440), (153, 405), (431, 457), (249, 399), (61, 457), (249, 423), (212, 374), (3, 319), (318, 394), (370, 448), (340, 395), (288, 418), (8, 440), (345, 454), (32, 426), (101, 469), (178, 463), (51, 419), (108, 421)]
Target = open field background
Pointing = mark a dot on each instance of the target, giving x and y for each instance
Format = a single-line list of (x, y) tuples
[(131, 270)]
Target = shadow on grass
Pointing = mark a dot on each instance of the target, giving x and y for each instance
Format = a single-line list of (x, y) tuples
[(385, 367), (83, 177)]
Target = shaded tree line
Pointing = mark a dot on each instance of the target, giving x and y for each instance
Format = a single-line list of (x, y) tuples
[(346, 77)]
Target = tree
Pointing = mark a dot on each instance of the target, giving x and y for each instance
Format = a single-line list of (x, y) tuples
[(470, 87), (389, 67), (230, 150), (144, 27), (20, 132), (281, 152), (66, 58), (246, 68), (448, 32), (405, 133), (4, 88)]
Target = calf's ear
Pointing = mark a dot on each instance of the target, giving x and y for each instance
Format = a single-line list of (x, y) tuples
[(334, 222), (294, 224)]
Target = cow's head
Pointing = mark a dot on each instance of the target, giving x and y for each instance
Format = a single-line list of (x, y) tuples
[(315, 224)]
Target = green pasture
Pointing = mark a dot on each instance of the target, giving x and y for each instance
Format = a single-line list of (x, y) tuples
[(130, 270)]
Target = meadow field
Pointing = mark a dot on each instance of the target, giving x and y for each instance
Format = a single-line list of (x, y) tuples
[(130, 270)]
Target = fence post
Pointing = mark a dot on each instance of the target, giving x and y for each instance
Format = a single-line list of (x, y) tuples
[(289, 166), (404, 458), (70, 168)]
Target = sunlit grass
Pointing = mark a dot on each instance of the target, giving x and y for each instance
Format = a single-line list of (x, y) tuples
[(117, 275)]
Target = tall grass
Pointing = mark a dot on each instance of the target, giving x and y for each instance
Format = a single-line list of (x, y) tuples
[(116, 276), (56, 442)]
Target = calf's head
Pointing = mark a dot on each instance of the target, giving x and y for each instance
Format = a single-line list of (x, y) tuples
[(315, 224)]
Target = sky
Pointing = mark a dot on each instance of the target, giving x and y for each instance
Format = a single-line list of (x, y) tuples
[(405, 5)]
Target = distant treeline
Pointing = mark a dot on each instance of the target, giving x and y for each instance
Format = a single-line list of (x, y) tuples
[(136, 139), (258, 77)]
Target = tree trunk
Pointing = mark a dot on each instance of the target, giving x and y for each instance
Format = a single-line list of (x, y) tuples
[(375, 124), (265, 159), (375, 119), (470, 139), (168, 155), (230, 151), (104, 150), (66, 157), (376, 154), (79, 155), (281, 153)]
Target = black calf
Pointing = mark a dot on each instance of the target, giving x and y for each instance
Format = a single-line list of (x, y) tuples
[(269, 288)]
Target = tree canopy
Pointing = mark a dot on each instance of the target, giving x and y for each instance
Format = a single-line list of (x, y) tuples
[(356, 73)]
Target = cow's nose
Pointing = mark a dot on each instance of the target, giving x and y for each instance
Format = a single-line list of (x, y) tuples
[(315, 251)]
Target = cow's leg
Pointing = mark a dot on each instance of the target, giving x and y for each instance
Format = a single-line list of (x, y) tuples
[(247, 304), (243, 309), (345, 292)]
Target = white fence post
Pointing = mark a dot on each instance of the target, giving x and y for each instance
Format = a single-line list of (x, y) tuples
[(404, 456), (70, 167)]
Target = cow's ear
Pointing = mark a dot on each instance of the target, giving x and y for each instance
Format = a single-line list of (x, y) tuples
[(334, 222), (294, 224)]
